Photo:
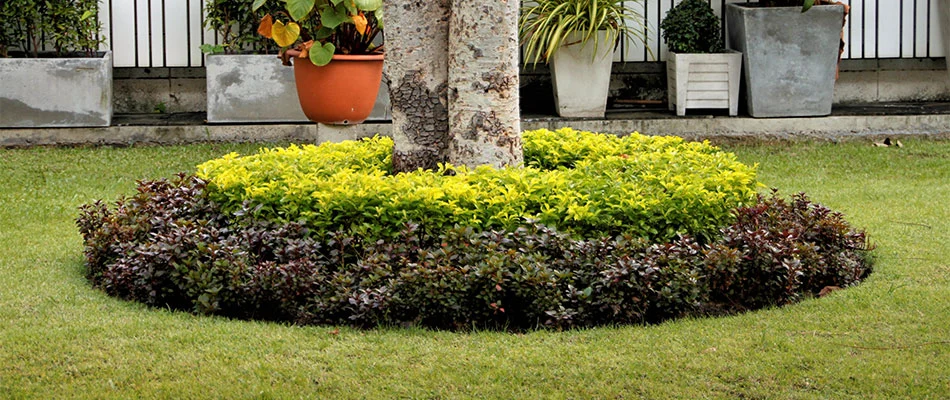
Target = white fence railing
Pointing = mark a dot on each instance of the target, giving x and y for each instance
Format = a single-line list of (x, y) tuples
[(167, 33)]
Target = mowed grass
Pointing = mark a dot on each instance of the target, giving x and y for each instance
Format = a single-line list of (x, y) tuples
[(887, 338)]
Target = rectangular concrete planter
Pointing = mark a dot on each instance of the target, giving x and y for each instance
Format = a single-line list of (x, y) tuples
[(703, 81), (253, 88), (789, 57), (56, 92)]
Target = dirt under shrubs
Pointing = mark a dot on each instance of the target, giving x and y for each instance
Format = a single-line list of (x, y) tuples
[(170, 245)]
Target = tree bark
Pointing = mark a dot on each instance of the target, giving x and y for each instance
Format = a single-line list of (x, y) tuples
[(417, 71), (484, 117)]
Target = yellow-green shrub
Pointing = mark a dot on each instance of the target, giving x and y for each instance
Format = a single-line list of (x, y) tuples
[(583, 183)]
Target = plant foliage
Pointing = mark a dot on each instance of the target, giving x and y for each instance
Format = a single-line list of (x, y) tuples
[(546, 25), (585, 184), (169, 245), (61, 26), (235, 22), (692, 27), (319, 29)]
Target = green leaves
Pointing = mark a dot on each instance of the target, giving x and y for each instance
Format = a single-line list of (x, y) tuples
[(369, 5), (545, 25), (299, 9), (332, 17), (321, 55), (807, 4), (584, 183), (327, 25)]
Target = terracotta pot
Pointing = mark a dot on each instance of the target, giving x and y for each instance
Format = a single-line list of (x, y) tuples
[(342, 92)]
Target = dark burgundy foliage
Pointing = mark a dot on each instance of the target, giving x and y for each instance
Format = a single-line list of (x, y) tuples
[(169, 246)]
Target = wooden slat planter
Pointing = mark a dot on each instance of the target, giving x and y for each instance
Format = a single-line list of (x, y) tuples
[(703, 81)]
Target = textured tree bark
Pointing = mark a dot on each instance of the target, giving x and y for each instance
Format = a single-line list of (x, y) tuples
[(417, 71), (484, 120)]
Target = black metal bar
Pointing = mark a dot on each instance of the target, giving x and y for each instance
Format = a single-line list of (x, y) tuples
[(202, 11), (188, 29), (135, 28), (929, 15), (877, 28), (151, 56), (111, 32), (164, 36)]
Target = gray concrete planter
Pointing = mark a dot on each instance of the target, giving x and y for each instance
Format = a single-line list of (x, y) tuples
[(789, 57), (581, 80), (707, 81), (258, 88), (56, 92)]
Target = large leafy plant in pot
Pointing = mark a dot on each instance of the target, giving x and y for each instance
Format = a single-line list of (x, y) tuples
[(335, 48), (700, 72), (53, 72), (577, 38), (267, 91)]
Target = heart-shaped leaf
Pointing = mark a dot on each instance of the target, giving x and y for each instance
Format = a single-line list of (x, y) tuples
[(266, 27), (257, 4), (285, 35), (321, 55), (332, 17), (298, 9), (368, 5)]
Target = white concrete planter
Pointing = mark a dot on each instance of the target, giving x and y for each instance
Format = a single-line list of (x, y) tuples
[(703, 81), (56, 92), (581, 79), (789, 57), (258, 88)]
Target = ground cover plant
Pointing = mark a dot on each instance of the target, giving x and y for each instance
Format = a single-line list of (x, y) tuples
[(324, 234), (883, 339)]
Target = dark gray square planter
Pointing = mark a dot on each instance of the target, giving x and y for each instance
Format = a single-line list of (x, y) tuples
[(790, 58), (56, 92)]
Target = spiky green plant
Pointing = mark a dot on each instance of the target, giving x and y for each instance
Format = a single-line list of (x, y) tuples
[(545, 25)]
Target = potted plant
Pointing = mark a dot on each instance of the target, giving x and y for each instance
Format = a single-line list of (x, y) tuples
[(338, 62), (69, 86), (790, 54), (700, 73), (245, 80), (577, 39)]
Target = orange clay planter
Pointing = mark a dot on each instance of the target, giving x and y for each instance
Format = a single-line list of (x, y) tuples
[(342, 92)]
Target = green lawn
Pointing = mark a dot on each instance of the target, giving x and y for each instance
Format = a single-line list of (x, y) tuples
[(888, 338)]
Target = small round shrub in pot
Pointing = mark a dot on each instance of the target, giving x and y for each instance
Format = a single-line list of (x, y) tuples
[(692, 27), (691, 31)]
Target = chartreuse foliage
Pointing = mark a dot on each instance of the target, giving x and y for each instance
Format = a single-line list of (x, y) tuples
[(582, 183)]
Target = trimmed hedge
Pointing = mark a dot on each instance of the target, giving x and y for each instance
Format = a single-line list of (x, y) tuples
[(169, 246), (585, 184)]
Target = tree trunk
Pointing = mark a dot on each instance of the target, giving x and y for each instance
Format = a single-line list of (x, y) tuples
[(484, 118), (417, 71)]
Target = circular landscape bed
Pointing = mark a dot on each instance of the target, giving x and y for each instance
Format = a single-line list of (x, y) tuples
[(593, 230)]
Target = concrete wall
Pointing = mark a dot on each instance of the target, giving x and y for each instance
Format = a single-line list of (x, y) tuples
[(142, 90)]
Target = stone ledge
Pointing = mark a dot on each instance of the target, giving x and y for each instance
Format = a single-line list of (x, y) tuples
[(716, 129)]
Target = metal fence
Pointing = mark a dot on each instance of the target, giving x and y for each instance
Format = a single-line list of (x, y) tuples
[(168, 33)]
